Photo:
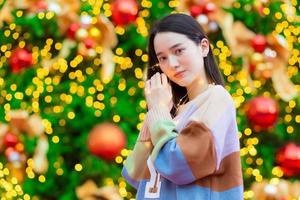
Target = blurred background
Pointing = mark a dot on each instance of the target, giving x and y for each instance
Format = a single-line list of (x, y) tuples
[(71, 92)]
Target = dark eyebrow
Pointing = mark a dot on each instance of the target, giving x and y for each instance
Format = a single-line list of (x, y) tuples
[(172, 47)]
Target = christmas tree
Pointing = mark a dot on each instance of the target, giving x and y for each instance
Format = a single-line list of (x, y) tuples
[(72, 77)]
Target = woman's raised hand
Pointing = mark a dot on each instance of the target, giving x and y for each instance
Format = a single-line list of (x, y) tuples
[(158, 91)]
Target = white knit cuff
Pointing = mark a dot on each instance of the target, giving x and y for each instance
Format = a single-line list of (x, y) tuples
[(145, 133), (157, 113)]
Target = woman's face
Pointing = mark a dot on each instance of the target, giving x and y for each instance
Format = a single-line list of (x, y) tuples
[(180, 58)]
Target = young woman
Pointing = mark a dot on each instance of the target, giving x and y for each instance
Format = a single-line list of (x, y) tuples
[(188, 147)]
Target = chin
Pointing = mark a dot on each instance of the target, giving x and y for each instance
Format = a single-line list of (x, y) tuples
[(182, 83)]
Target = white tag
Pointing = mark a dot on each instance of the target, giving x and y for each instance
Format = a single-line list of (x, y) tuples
[(152, 189)]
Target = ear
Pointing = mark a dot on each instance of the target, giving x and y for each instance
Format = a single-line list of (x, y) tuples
[(204, 46)]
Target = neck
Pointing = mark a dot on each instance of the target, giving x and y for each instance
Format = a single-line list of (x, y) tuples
[(197, 88)]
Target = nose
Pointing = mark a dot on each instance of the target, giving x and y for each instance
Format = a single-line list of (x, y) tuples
[(173, 62)]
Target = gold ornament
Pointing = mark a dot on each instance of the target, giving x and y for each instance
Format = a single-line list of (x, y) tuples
[(275, 190), (22, 122), (90, 191), (257, 58), (108, 37), (239, 40), (107, 41), (81, 34), (82, 50), (95, 33), (19, 120), (5, 13), (33, 126), (108, 66), (263, 70), (17, 170), (40, 161)]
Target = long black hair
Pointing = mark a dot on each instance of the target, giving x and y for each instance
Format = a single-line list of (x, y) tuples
[(186, 25)]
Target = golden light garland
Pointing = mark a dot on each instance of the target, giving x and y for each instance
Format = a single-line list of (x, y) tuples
[(9, 186)]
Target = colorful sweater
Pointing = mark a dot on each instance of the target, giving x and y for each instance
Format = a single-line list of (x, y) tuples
[(194, 156)]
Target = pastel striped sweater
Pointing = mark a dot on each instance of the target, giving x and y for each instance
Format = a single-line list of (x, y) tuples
[(194, 156)]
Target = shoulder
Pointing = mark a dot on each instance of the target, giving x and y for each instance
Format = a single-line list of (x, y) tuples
[(220, 97), (219, 109), (217, 104)]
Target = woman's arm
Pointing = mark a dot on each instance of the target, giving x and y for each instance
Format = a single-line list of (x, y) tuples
[(197, 151), (135, 166)]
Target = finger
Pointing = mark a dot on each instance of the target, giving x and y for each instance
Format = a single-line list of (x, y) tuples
[(158, 80), (170, 88), (164, 80), (155, 80)]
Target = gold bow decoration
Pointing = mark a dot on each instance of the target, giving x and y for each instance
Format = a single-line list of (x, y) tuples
[(102, 35), (16, 167), (107, 39), (269, 64), (66, 10), (32, 125), (276, 190), (21, 122), (40, 162), (223, 18), (5, 13), (90, 191), (282, 84)]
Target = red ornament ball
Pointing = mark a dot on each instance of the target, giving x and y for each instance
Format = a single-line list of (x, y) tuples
[(288, 158), (41, 5), (20, 59), (10, 140), (259, 43), (89, 43), (196, 10), (106, 141), (71, 32), (260, 10), (209, 8), (252, 68), (262, 112), (124, 11)]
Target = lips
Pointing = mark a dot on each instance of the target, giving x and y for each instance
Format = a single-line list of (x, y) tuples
[(179, 74)]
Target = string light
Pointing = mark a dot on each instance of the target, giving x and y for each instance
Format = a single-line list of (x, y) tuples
[(9, 186)]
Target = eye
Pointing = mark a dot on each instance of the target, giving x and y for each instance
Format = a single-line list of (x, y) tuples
[(161, 59), (179, 51)]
